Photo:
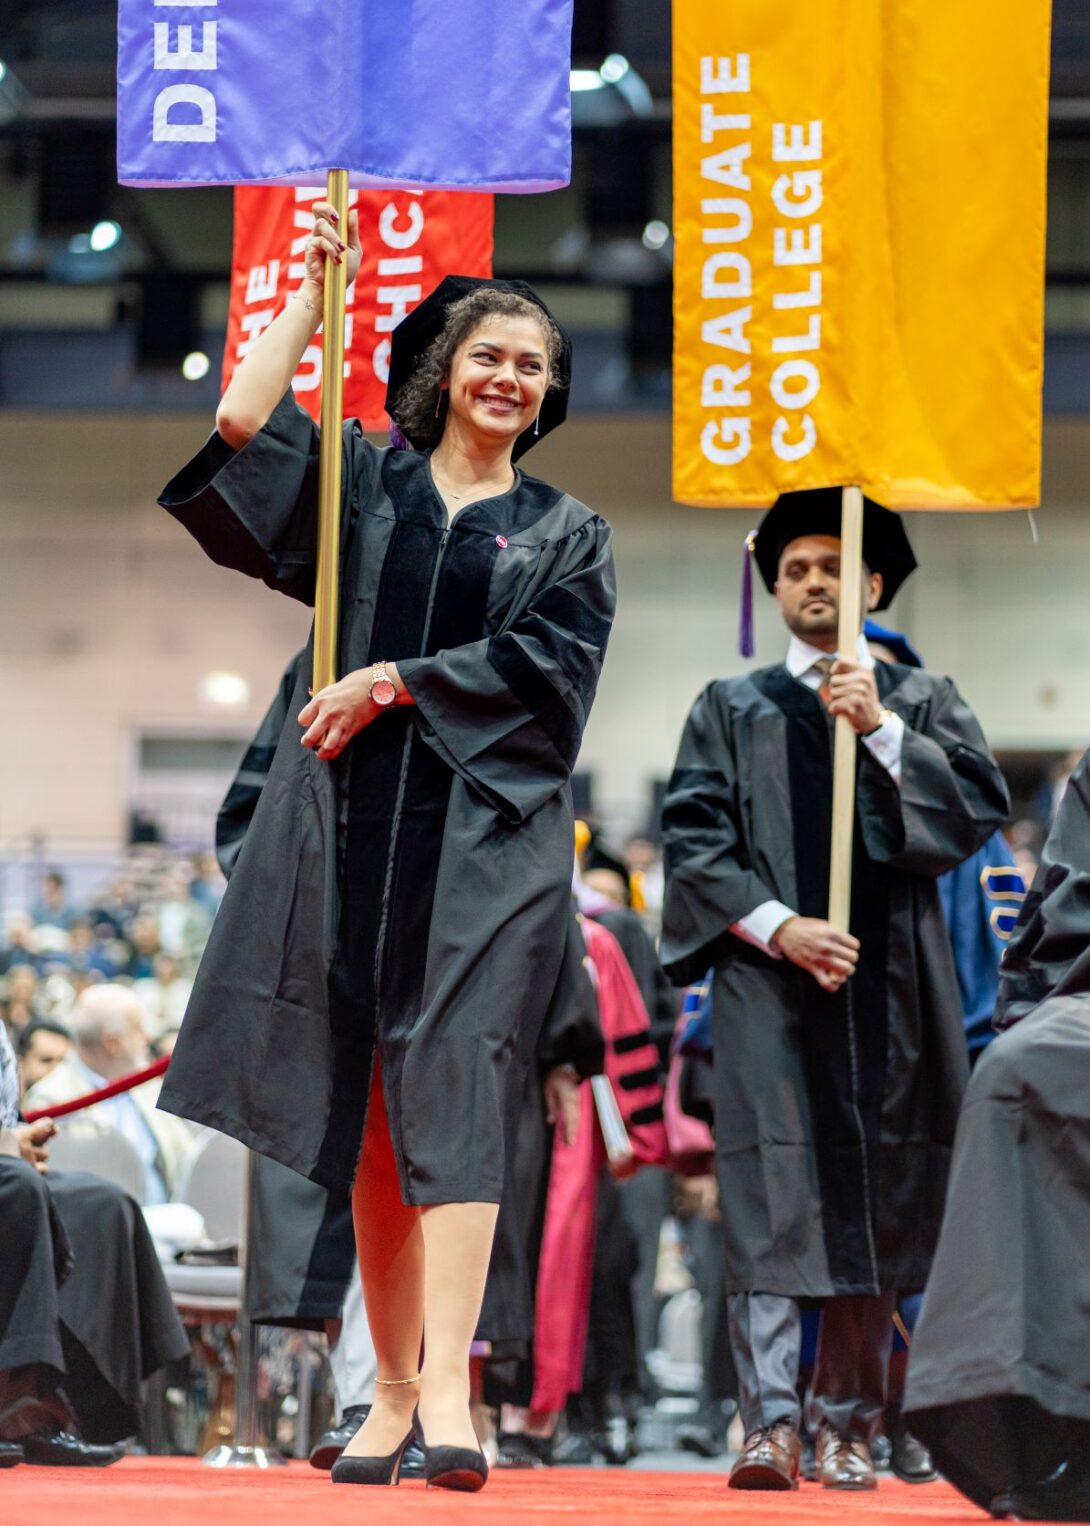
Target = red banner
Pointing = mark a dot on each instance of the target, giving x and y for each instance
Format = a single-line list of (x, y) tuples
[(411, 240)]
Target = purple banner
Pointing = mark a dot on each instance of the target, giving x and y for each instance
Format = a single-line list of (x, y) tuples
[(431, 94)]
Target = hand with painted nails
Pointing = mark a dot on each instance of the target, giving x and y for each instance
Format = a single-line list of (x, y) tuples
[(328, 242)]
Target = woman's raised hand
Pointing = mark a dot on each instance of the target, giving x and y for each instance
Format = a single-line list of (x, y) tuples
[(327, 242)]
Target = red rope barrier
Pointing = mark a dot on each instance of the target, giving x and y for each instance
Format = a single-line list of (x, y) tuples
[(115, 1089)]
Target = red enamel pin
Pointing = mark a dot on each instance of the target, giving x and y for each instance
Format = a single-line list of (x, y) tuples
[(501, 541)]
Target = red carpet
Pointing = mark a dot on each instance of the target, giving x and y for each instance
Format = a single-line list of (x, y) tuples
[(159, 1491)]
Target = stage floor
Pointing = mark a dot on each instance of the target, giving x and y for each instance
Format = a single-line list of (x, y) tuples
[(177, 1491)]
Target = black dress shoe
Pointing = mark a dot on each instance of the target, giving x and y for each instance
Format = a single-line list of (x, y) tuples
[(371, 1470), (412, 1460), (699, 1437), (881, 1453), (11, 1453), (522, 1451), (574, 1451), (1063, 1496), (910, 1459), (60, 1449), (330, 1446), (614, 1442), (462, 1468)]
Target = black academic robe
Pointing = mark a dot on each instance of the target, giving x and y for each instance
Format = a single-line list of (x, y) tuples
[(302, 1240), (413, 897), (999, 1372), (834, 1114), (82, 1293)]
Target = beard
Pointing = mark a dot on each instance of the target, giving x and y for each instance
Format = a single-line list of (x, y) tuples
[(807, 623)]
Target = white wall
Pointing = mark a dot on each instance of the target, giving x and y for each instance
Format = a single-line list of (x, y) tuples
[(109, 614)]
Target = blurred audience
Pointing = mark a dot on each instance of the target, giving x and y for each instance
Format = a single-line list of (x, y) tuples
[(41, 1048), (163, 996), (52, 908), (109, 1041)]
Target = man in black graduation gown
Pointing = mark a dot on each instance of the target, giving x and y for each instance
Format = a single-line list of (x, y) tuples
[(839, 1059), (999, 1374), (85, 1313)]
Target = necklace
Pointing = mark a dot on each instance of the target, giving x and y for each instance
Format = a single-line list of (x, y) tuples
[(448, 492)]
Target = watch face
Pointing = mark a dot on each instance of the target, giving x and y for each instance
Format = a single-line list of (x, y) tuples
[(383, 691)]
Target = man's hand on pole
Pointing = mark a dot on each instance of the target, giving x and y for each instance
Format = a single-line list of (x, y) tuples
[(854, 693), (816, 946)]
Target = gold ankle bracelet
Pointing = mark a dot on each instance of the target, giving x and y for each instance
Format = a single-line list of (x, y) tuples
[(397, 1382)]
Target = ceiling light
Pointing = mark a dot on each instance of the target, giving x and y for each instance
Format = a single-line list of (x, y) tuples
[(104, 236), (227, 691), (586, 79), (615, 67), (655, 235), (195, 366)]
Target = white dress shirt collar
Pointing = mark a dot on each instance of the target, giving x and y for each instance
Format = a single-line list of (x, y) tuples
[(801, 656)]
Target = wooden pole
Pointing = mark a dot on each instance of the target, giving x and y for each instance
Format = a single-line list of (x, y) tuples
[(851, 596), (327, 584)]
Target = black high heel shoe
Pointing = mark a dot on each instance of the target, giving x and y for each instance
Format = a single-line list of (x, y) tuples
[(371, 1470), (451, 1467)]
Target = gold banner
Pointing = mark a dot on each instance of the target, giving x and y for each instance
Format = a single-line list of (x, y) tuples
[(859, 215)]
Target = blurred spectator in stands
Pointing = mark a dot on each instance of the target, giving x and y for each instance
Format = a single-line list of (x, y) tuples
[(208, 883), (41, 1048), (53, 908), (183, 922), (18, 946), (86, 951), (143, 939), (110, 1042), (114, 908), (163, 997), (23, 998)]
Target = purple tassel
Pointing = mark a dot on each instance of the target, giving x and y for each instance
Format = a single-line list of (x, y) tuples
[(397, 439), (746, 644)]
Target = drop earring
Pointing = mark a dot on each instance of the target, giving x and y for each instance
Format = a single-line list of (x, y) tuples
[(438, 402), (537, 426)]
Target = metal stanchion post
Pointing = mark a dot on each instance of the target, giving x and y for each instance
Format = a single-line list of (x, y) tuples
[(245, 1453)]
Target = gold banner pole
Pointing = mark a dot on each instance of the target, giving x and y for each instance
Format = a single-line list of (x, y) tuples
[(327, 585), (851, 595)]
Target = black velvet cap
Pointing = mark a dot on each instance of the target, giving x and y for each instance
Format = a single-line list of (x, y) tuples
[(816, 511), (418, 329)]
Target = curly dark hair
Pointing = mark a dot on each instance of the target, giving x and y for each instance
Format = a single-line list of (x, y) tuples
[(416, 403)]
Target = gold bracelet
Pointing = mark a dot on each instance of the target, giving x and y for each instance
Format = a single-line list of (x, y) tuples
[(397, 1382)]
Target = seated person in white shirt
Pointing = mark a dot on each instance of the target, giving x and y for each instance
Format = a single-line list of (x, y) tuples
[(109, 1042), (839, 1057)]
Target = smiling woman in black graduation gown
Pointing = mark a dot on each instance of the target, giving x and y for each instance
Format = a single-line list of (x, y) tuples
[(403, 892)]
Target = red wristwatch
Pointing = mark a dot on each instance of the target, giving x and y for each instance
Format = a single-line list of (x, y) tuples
[(383, 692)]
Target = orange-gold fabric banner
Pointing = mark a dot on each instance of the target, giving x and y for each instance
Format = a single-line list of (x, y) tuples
[(410, 239), (859, 216)]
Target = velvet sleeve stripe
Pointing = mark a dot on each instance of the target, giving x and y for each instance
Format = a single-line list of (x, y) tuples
[(567, 610), (625, 1043), (574, 660), (534, 690), (652, 1076)]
